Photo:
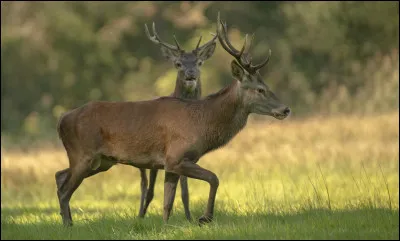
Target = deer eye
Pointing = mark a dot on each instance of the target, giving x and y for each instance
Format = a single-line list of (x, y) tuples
[(261, 91), (178, 64), (200, 63)]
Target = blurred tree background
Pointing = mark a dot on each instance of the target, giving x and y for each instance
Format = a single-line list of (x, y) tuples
[(327, 57)]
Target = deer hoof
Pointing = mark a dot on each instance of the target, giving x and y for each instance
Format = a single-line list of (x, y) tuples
[(205, 219)]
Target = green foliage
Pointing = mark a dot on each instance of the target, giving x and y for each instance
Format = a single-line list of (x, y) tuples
[(326, 56)]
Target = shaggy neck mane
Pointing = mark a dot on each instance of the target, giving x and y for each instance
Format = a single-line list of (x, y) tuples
[(224, 114)]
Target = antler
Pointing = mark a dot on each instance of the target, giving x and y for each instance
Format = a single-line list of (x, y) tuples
[(242, 56), (156, 39), (197, 49)]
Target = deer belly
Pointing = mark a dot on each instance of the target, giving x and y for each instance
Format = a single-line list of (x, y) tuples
[(155, 161)]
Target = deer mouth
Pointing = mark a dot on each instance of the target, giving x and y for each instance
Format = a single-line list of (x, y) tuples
[(189, 79), (281, 114)]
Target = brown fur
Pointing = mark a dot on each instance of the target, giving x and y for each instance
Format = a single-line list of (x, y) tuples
[(131, 132)]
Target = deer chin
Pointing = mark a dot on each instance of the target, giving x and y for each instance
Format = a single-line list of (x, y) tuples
[(266, 111), (190, 85), (261, 110)]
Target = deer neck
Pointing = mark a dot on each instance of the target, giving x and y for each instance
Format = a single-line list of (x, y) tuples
[(226, 115), (182, 92)]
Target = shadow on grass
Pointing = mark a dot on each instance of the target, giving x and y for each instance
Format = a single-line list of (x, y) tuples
[(364, 223)]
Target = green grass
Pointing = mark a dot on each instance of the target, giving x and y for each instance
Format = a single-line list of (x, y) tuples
[(323, 178), (363, 223)]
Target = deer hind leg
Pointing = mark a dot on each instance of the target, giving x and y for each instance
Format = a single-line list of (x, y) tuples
[(61, 178), (150, 190), (77, 174)]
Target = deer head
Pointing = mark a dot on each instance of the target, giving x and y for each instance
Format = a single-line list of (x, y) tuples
[(257, 97), (187, 63)]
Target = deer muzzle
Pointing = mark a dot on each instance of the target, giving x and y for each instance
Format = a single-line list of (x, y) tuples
[(281, 112)]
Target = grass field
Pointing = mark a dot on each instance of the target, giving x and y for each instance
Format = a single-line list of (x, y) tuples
[(320, 178)]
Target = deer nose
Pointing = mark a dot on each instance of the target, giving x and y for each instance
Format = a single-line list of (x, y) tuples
[(286, 111), (191, 73), (282, 110)]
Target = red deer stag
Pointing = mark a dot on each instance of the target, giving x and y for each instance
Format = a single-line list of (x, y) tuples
[(188, 86), (166, 133)]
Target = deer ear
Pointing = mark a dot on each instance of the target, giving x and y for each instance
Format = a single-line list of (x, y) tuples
[(207, 52), (169, 53), (237, 70)]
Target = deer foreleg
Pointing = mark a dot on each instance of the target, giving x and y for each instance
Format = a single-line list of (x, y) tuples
[(185, 196), (144, 191), (150, 191), (192, 170), (170, 183)]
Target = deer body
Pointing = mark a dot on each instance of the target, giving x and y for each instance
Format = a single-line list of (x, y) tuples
[(141, 134)]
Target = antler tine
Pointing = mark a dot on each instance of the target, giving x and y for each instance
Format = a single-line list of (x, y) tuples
[(259, 66), (155, 33), (156, 39), (153, 39), (221, 40), (243, 57), (228, 42), (177, 44), (198, 44), (251, 41), (238, 55), (244, 47), (243, 50), (162, 42), (206, 44), (247, 57)]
